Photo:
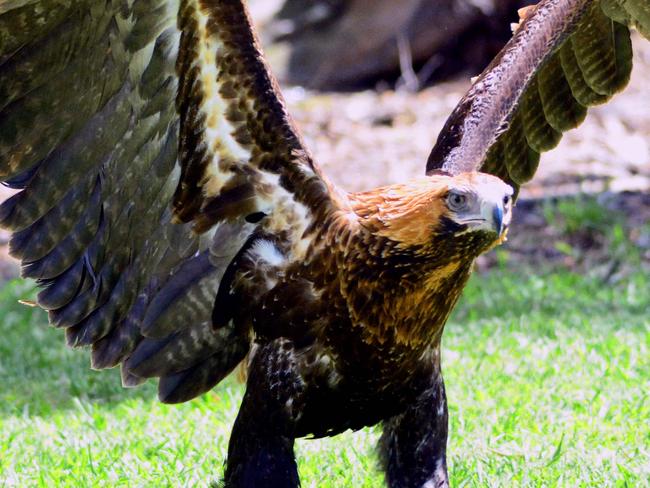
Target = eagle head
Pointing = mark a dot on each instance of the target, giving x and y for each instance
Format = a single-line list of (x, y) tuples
[(475, 204), (466, 214)]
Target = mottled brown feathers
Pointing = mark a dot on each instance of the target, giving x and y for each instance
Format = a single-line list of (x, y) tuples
[(406, 213), (405, 267), (236, 136)]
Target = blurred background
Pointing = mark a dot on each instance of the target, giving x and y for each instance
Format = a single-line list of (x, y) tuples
[(371, 82), (545, 358)]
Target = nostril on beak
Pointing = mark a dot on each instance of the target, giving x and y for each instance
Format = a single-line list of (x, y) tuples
[(497, 217)]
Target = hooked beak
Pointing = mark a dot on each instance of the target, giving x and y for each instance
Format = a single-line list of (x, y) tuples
[(497, 219), (493, 218)]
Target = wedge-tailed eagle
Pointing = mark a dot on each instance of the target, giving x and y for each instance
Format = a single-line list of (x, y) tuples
[(178, 226)]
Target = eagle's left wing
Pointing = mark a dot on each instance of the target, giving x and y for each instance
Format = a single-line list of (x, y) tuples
[(239, 150), (117, 118), (565, 56)]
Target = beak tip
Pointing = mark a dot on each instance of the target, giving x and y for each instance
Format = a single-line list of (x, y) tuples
[(497, 216)]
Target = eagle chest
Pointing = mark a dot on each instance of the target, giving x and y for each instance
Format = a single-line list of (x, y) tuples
[(400, 297)]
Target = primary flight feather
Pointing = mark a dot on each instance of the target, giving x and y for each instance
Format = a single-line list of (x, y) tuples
[(177, 224)]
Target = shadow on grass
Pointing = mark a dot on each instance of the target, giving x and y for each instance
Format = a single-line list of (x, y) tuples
[(40, 374)]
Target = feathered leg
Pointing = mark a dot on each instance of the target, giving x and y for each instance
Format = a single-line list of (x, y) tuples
[(260, 452), (413, 445)]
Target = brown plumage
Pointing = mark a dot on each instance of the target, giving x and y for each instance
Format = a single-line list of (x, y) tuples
[(177, 224)]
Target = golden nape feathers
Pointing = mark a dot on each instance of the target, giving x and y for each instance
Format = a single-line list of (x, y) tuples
[(412, 213)]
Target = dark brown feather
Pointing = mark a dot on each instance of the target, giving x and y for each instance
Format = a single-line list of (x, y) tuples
[(250, 119)]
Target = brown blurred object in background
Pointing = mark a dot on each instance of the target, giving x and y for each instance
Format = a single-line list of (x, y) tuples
[(351, 44)]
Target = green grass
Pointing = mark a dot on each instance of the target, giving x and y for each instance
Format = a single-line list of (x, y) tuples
[(548, 378)]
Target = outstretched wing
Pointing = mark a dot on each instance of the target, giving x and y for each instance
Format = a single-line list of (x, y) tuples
[(239, 149), (565, 56), (110, 111)]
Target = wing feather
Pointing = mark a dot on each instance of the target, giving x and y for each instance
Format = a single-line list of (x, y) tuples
[(236, 134), (567, 56), (116, 120)]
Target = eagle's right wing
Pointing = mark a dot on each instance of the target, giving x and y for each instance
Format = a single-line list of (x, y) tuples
[(566, 56), (117, 118)]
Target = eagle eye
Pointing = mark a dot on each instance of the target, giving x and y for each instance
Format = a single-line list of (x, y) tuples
[(456, 201)]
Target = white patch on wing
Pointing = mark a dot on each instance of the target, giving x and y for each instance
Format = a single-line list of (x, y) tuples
[(267, 252), (218, 131), (286, 215), (441, 408), (326, 362)]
